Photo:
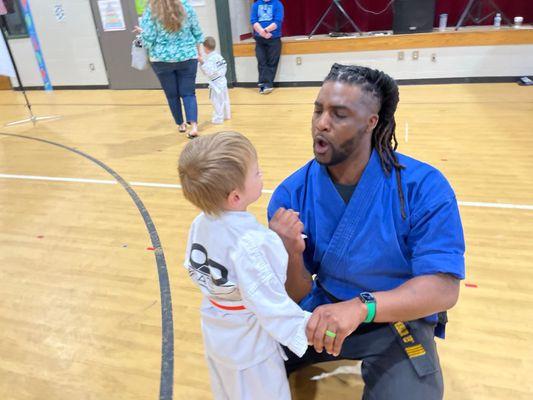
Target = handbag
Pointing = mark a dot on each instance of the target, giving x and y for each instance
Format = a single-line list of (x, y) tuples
[(139, 56)]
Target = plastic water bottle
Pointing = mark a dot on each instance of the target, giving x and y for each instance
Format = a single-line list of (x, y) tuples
[(498, 20), (443, 20)]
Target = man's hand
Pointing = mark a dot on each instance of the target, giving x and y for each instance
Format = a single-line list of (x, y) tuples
[(289, 228), (340, 318)]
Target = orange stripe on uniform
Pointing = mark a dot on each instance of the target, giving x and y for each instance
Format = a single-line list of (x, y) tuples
[(227, 308)]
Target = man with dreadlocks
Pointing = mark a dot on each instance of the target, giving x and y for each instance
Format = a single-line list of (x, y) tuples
[(384, 251)]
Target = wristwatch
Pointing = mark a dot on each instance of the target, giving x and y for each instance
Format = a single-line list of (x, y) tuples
[(370, 301)]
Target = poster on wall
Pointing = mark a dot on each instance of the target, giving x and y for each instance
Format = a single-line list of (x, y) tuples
[(140, 5), (59, 12), (32, 33), (111, 15), (196, 3)]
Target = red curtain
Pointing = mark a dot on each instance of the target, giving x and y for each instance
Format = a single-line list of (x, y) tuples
[(302, 15)]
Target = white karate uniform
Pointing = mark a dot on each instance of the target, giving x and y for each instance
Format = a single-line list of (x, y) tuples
[(238, 263), (214, 67)]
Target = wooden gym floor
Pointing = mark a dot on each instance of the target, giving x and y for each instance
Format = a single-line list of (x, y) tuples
[(84, 299)]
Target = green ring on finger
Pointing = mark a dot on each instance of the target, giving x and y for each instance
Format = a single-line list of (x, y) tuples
[(330, 334)]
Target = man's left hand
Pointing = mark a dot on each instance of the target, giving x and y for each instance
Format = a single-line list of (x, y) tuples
[(340, 318)]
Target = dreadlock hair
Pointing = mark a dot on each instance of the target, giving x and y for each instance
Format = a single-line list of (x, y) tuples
[(170, 13), (384, 90)]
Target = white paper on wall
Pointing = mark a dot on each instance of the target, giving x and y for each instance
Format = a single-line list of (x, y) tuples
[(111, 15), (6, 67), (197, 3)]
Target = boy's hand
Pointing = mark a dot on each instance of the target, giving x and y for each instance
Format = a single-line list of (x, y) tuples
[(289, 228)]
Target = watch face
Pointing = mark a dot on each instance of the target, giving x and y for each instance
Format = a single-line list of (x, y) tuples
[(367, 297)]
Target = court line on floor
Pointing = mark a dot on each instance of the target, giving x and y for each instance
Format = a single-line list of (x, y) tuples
[(309, 103), (167, 339), (266, 191)]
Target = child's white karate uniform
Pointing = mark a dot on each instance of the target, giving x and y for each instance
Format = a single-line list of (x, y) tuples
[(214, 67), (240, 267)]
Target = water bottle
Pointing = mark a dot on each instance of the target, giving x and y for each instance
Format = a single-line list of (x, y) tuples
[(498, 20), (443, 20)]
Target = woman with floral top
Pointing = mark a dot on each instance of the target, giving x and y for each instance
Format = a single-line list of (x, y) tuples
[(173, 38)]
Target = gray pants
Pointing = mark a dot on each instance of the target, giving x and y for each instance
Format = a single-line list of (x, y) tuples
[(387, 370)]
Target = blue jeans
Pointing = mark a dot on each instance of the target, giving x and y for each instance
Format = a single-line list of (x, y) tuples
[(179, 83)]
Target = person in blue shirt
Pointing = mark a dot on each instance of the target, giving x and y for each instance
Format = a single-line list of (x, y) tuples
[(266, 18), (384, 247)]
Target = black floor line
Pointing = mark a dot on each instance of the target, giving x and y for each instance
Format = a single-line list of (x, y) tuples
[(167, 348)]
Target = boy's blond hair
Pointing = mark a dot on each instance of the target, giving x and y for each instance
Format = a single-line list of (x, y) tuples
[(212, 166), (210, 43)]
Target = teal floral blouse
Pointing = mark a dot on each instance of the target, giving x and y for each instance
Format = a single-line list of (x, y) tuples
[(166, 46)]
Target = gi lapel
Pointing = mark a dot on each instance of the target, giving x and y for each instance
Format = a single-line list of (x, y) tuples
[(350, 224)]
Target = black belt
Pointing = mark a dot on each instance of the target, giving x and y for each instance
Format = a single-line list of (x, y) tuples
[(413, 349)]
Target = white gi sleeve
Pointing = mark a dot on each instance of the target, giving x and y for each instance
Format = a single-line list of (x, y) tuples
[(209, 68), (256, 259)]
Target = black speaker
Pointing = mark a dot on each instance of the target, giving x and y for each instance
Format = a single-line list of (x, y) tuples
[(413, 16)]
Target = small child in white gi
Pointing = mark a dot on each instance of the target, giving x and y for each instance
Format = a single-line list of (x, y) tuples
[(213, 66), (240, 267)]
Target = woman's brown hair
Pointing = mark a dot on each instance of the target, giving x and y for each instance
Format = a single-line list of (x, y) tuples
[(170, 13)]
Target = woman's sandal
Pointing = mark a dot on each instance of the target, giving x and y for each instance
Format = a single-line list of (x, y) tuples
[(182, 128), (194, 131)]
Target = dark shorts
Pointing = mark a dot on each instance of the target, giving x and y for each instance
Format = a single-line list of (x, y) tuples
[(397, 362)]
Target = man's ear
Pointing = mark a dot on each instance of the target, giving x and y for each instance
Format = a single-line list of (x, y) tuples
[(373, 122)]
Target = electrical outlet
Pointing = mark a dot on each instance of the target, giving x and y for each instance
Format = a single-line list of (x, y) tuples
[(298, 60), (401, 55), (91, 67), (415, 55), (434, 57)]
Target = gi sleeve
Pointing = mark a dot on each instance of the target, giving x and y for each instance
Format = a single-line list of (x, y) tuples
[(263, 291), (209, 68), (436, 238)]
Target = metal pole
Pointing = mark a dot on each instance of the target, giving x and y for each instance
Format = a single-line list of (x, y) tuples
[(12, 59)]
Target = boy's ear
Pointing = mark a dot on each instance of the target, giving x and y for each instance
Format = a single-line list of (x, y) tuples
[(233, 198)]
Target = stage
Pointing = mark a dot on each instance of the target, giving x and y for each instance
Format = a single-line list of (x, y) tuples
[(471, 54), (385, 40)]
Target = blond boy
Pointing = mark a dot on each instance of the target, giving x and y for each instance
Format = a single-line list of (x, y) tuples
[(214, 68), (240, 266)]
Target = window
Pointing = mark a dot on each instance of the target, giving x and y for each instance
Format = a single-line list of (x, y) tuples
[(13, 22)]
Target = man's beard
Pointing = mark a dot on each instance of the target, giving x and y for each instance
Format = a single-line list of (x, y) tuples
[(340, 153)]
